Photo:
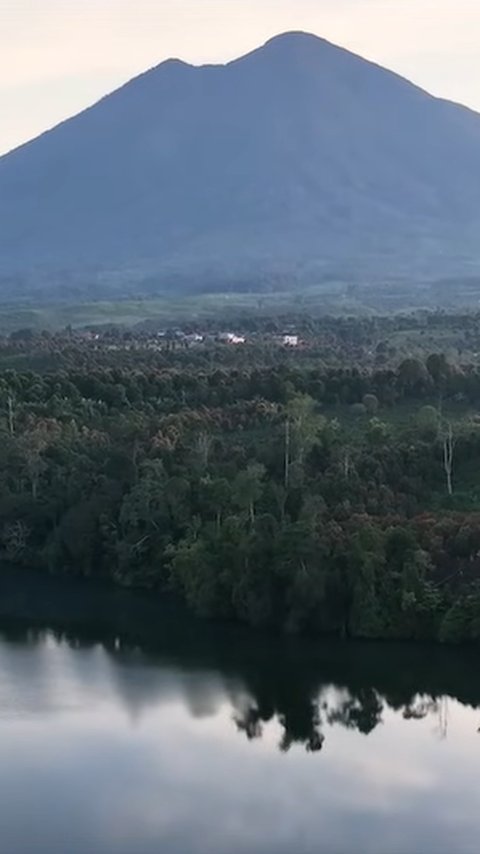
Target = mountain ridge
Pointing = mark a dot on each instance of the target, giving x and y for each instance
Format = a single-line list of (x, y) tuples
[(295, 161)]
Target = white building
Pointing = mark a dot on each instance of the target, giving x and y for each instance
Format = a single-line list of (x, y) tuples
[(231, 338)]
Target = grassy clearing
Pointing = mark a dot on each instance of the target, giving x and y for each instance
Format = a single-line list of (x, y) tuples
[(171, 309)]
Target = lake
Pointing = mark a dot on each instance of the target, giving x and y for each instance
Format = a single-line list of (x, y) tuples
[(127, 727)]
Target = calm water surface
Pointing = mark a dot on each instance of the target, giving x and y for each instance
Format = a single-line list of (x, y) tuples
[(140, 731)]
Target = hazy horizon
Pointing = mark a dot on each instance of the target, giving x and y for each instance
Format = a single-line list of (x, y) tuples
[(47, 74)]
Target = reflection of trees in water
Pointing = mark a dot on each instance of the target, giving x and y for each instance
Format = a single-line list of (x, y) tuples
[(248, 720), (422, 707), (304, 729), (442, 712), (304, 722), (361, 711), (265, 679)]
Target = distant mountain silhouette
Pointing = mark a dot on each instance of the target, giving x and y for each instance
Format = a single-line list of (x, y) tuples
[(295, 162)]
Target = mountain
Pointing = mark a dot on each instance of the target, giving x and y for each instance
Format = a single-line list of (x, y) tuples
[(295, 163)]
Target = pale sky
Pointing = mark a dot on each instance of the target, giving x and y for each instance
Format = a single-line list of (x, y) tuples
[(59, 56)]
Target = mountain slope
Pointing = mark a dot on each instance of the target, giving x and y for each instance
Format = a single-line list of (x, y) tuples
[(295, 161)]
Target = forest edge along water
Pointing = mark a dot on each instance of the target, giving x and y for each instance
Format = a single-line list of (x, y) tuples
[(102, 614), (306, 474)]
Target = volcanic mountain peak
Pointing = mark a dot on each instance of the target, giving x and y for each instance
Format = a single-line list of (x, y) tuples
[(295, 162)]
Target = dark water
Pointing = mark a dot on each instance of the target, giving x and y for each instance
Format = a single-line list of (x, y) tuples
[(139, 731)]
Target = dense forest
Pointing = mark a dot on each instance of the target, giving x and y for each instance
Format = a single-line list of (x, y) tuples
[(314, 476)]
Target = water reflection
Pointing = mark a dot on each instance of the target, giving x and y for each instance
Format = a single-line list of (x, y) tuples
[(304, 685), (303, 702), (141, 730)]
